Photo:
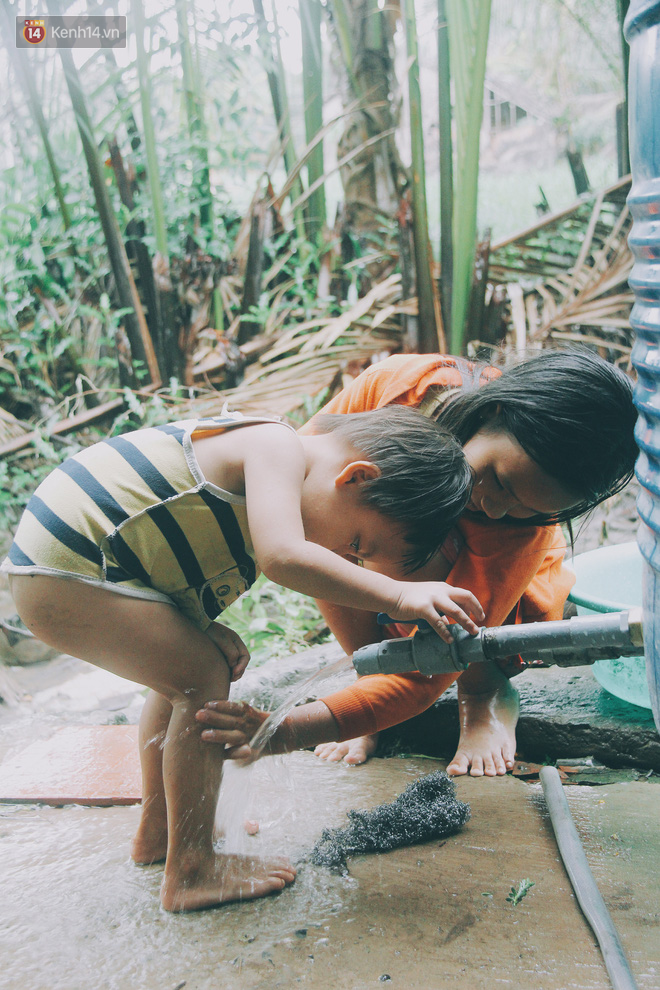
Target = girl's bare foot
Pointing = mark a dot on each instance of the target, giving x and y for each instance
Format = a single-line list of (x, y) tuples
[(487, 742), (352, 751), (195, 884)]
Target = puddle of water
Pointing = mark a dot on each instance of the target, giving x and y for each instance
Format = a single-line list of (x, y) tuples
[(77, 913)]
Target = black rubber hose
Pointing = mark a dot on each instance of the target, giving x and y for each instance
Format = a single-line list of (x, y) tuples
[(584, 885)]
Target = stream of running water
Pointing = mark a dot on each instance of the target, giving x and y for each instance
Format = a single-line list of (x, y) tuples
[(268, 728)]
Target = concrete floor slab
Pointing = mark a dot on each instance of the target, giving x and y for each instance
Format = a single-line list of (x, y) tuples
[(76, 913), (77, 764)]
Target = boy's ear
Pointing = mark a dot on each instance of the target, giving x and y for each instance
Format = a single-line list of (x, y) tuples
[(356, 473)]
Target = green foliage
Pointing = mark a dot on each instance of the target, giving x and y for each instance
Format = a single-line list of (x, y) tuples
[(21, 474), (273, 621), (47, 294), (141, 412), (516, 894), (53, 327)]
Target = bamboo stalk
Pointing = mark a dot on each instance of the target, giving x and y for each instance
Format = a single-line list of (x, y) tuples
[(134, 320), (469, 22), (253, 273), (175, 359), (135, 230), (342, 23), (429, 333), (446, 168), (276, 84), (26, 77), (312, 60), (158, 215), (195, 117)]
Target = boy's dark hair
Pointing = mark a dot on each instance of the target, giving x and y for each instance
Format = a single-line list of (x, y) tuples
[(570, 411), (425, 480)]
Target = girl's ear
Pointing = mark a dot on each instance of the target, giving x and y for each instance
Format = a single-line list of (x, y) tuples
[(356, 473)]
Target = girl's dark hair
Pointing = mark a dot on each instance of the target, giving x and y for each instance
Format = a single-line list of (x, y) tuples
[(570, 411), (425, 480)]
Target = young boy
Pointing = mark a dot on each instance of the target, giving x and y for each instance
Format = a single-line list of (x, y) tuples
[(129, 550)]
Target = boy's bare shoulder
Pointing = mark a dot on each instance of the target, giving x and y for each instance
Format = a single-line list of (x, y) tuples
[(266, 433), (223, 457), (269, 443)]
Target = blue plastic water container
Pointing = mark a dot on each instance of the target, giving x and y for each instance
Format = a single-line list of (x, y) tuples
[(642, 30), (610, 580)]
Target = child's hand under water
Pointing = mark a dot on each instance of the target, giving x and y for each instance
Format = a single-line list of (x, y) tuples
[(436, 601), (234, 724)]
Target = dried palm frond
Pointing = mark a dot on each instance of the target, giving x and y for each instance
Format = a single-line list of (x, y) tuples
[(567, 277), (11, 427), (309, 357)]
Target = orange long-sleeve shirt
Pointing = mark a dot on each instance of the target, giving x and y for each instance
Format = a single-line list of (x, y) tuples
[(502, 564)]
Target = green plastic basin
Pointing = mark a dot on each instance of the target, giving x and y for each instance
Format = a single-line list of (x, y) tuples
[(610, 580)]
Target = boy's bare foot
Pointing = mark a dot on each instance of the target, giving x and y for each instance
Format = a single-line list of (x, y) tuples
[(487, 742), (206, 882), (147, 849), (352, 751), (149, 844)]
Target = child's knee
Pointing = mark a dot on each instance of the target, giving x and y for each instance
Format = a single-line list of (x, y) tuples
[(210, 683)]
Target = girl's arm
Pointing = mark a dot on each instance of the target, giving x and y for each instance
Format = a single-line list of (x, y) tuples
[(388, 700), (232, 724), (274, 470)]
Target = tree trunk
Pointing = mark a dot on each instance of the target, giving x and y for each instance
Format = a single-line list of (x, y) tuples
[(374, 180)]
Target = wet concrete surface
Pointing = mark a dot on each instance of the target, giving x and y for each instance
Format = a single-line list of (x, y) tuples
[(76, 913)]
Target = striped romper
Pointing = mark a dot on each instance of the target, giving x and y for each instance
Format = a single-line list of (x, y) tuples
[(135, 515)]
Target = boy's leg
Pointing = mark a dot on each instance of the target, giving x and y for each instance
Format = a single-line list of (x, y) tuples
[(150, 842), (154, 644)]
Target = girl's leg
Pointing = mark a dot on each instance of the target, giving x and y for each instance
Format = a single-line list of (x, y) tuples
[(488, 706), (150, 842), (155, 645), (352, 751)]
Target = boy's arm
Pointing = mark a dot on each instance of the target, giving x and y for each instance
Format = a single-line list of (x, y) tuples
[(274, 469)]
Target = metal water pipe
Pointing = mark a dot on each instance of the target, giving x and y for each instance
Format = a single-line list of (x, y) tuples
[(567, 643), (642, 31)]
